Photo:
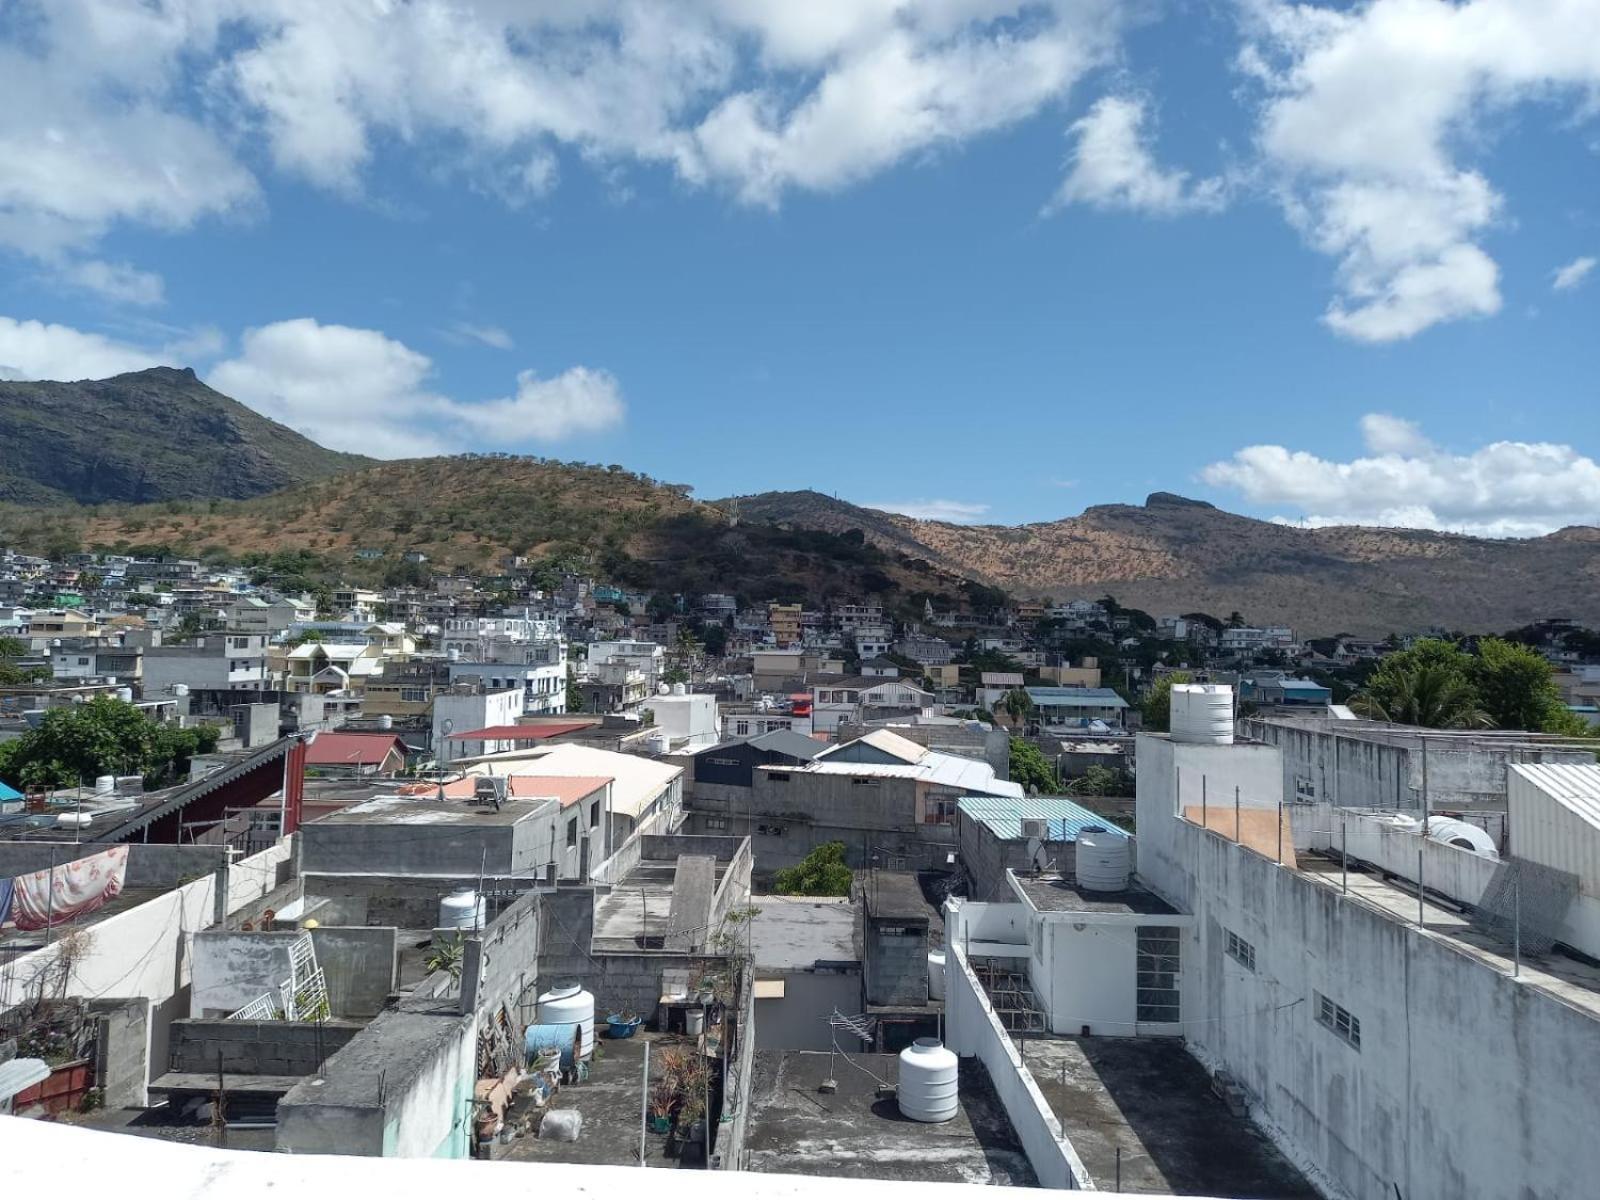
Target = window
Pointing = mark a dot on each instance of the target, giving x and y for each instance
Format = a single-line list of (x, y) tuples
[(716, 823), (572, 832), (778, 777), (414, 695), (741, 728), (594, 814), (1339, 1020), (1305, 789), (1156, 981), (940, 812), (859, 782), (1241, 951)]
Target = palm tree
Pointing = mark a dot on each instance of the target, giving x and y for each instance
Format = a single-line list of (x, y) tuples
[(1428, 694), (1017, 705)]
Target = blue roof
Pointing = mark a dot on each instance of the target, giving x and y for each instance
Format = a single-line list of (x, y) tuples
[(1304, 685), (7, 792), (1076, 697), (1004, 817)]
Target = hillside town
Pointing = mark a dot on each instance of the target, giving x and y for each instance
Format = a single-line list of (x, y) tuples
[(533, 867)]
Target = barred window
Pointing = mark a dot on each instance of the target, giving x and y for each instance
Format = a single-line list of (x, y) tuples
[(1241, 951), (1339, 1020)]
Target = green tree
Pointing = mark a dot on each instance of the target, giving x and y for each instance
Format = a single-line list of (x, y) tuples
[(11, 675), (1156, 708), (820, 873), (1096, 781), (1429, 685), (1031, 768), (106, 736), (1017, 705), (1517, 688)]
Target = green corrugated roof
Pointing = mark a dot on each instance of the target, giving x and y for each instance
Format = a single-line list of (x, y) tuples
[(1004, 817)]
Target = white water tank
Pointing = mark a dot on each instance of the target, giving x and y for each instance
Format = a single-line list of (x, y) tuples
[(569, 1004), (679, 689), (462, 910), (385, 721), (125, 694), (1104, 862), (936, 974), (1202, 713), (928, 1081), (658, 742), (1462, 835), (105, 785), (180, 689)]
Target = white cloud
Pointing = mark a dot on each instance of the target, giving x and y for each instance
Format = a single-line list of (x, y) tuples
[(1112, 166), (118, 282), (35, 350), (1502, 489), (1575, 272), (956, 512), (149, 105), (1367, 109), (492, 336), (359, 390)]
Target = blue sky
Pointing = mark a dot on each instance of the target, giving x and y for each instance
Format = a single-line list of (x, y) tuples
[(972, 258)]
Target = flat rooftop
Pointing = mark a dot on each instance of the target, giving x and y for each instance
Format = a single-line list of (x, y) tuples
[(1063, 893), (1570, 980), (895, 896), (429, 810), (641, 905), (796, 932), (797, 1130), (1150, 1099)]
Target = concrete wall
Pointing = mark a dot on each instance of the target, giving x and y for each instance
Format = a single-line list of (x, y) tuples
[(232, 968), (122, 1067), (502, 966), (252, 879), (1448, 870), (787, 841), (358, 965), (391, 900), (985, 858), (149, 866), (255, 1047), (422, 849), (1467, 1083), (973, 1030), (799, 1020), (896, 964)]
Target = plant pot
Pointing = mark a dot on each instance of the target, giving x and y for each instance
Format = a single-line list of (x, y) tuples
[(660, 1124)]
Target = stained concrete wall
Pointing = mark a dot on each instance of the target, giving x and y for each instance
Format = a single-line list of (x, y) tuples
[(421, 849), (1467, 1084), (255, 1047), (985, 858), (786, 842), (149, 866), (799, 1019), (391, 900), (122, 1066), (896, 964), (972, 1029), (232, 968)]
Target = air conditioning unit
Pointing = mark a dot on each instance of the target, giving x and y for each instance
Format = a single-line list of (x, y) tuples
[(1034, 827)]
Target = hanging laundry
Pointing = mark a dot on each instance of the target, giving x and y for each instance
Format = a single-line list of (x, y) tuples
[(69, 891)]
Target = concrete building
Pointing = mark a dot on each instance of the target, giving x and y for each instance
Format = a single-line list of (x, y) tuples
[(1034, 834), (543, 685), (469, 706), (214, 661), (724, 774), (863, 698), (649, 659), (323, 667), (1056, 708), (807, 956), (356, 753), (254, 614), (784, 621), (688, 720), (1405, 1049)]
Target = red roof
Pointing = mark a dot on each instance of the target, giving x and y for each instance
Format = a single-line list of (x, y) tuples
[(352, 749), (519, 733)]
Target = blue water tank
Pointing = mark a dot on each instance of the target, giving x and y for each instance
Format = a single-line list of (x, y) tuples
[(564, 1038)]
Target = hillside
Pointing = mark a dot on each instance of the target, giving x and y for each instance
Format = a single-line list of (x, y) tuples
[(146, 436), (472, 510), (1176, 555)]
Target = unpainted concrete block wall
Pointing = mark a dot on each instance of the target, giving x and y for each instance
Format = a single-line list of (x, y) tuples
[(149, 866), (896, 964), (358, 965), (255, 1047)]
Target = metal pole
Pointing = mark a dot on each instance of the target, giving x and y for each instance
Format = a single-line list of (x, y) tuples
[(1344, 854), (1424, 787), (1516, 927), (1119, 1168), (1202, 801), (707, 1097), (1421, 905), (477, 908), (50, 897), (1280, 833), (1236, 814), (644, 1105)]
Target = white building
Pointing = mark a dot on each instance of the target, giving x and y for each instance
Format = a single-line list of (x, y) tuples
[(648, 658), (688, 719), (544, 686), (213, 661), (461, 711)]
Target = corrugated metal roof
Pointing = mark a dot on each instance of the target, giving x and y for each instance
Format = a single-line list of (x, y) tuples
[(1076, 697), (1004, 817), (1574, 786)]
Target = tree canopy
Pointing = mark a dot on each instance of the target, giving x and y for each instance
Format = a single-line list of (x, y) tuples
[(1031, 768), (1439, 685), (106, 736), (1157, 706), (820, 873)]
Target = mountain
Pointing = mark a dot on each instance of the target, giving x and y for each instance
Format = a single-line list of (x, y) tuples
[(473, 510), (1175, 555), (146, 436)]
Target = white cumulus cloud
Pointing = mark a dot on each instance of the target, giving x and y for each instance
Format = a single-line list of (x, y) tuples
[(360, 390), (1366, 115), (1501, 489), (36, 350), (1570, 276), (1112, 166), (955, 512)]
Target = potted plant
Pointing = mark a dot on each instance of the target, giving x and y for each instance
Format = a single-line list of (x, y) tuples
[(661, 1108)]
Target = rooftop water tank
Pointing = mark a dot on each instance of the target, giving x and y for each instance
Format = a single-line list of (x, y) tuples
[(1104, 862), (658, 742), (936, 974), (928, 1081), (1202, 713), (461, 910), (125, 694), (385, 721), (569, 1004), (105, 785), (180, 689), (679, 689), (1462, 835)]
